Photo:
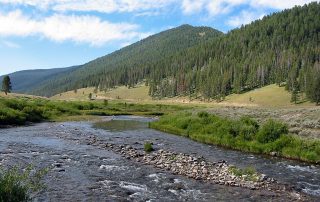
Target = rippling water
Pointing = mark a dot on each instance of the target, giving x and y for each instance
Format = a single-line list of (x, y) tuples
[(87, 173)]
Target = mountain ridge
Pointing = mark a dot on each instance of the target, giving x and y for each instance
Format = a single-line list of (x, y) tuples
[(281, 48)]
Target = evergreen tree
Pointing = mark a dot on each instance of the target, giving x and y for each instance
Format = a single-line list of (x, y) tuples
[(295, 92), (6, 85)]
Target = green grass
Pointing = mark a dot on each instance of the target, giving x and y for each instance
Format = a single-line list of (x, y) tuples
[(244, 134), (16, 185), (18, 111), (148, 147), (248, 173)]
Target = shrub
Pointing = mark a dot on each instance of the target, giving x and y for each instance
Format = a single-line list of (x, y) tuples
[(271, 131), (148, 147), (33, 113), (203, 114)]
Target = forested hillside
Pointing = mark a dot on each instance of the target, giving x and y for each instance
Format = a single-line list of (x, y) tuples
[(130, 64), (282, 48), (24, 81)]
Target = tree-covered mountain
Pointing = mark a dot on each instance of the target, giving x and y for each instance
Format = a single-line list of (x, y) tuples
[(131, 64), (24, 81), (282, 48)]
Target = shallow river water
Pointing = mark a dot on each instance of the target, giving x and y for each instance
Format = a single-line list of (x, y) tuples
[(82, 172)]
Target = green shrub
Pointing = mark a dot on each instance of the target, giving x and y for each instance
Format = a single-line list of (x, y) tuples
[(271, 131), (33, 113), (148, 147), (203, 114)]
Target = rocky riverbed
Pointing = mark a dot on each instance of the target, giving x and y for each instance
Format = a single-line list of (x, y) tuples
[(109, 164), (197, 168)]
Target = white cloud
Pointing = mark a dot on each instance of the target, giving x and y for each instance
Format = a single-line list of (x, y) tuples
[(244, 18), (279, 4), (212, 7), (58, 27), (216, 7), (191, 6), (104, 6)]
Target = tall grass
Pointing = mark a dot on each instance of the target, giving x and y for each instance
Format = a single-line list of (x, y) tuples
[(16, 185), (18, 111), (244, 134)]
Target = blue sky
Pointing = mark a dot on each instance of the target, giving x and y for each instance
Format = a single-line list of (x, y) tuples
[(39, 34)]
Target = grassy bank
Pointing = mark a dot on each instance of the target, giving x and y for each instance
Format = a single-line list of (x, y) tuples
[(244, 134), (18, 111)]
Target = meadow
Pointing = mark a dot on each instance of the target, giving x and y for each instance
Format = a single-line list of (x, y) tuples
[(19, 111)]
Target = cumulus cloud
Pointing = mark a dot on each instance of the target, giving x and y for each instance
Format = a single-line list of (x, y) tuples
[(58, 27), (244, 18)]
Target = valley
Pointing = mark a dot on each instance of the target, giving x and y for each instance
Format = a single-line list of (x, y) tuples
[(187, 113)]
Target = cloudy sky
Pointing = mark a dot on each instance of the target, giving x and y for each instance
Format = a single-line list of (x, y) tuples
[(61, 33)]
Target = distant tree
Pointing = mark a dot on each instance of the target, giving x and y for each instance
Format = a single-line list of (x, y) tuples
[(295, 92), (90, 96), (313, 86), (6, 85)]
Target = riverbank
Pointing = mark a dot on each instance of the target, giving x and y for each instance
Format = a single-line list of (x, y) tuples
[(24, 110), (244, 134), (84, 169)]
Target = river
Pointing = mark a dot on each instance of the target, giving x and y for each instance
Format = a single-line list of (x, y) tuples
[(83, 172)]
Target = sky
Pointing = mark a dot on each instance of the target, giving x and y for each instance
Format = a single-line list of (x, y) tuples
[(41, 34)]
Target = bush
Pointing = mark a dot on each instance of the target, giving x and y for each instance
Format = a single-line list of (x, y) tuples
[(203, 114), (148, 147), (271, 131)]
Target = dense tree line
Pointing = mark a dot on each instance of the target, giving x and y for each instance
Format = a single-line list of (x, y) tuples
[(282, 48)]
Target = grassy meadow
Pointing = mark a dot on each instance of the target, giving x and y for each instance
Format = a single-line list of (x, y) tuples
[(244, 134), (271, 96), (19, 111)]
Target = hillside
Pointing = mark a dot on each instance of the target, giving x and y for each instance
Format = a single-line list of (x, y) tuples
[(267, 96), (25, 81), (281, 48), (131, 64)]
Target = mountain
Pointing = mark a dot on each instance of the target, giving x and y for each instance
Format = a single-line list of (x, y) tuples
[(23, 81), (281, 48), (132, 61)]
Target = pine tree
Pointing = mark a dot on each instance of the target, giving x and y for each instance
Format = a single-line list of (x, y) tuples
[(6, 85), (295, 92)]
